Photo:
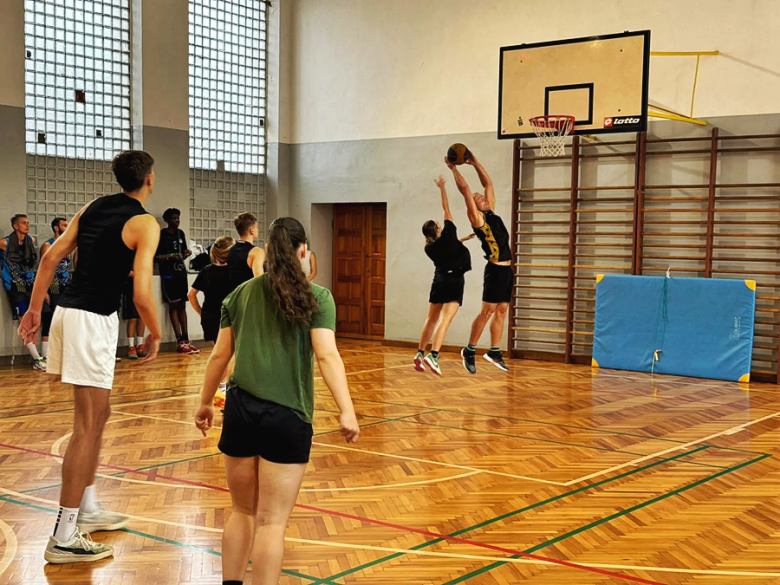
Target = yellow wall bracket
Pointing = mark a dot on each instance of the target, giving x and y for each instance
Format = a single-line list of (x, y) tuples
[(669, 115)]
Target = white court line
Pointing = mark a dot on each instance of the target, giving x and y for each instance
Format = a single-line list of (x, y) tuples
[(10, 546), (380, 454), (421, 552), (730, 431)]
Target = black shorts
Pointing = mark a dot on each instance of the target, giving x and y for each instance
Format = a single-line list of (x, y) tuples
[(20, 302), (210, 327), (253, 427), (175, 288), (128, 304), (48, 314), (499, 284), (447, 287)]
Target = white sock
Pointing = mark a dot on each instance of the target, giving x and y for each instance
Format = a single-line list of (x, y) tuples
[(223, 386), (65, 528), (89, 503), (33, 351), (139, 341), (45, 348)]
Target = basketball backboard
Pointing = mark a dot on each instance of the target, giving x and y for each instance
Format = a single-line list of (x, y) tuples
[(601, 81)]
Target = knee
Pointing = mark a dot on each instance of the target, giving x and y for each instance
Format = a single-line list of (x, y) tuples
[(487, 312), (502, 309), (266, 518), (92, 424)]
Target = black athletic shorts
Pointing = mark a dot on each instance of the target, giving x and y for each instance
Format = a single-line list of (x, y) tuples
[(447, 287), (48, 314), (20, 302), (253, 427), (210, 327), (499, 284), (175, 288), (128, 304)]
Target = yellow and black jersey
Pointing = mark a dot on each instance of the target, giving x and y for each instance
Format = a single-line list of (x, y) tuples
[(494, 238)]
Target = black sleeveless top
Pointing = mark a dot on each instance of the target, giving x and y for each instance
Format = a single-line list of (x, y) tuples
[(495, 238), (238, 268), (104, 261)]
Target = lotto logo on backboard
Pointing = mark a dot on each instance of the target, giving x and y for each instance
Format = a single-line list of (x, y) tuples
[(622, 121)]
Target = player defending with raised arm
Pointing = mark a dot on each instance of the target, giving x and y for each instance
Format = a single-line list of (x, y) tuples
[(114, 235), (499, 276)]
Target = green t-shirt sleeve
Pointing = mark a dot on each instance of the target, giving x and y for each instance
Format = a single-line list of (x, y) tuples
[(325, 317)]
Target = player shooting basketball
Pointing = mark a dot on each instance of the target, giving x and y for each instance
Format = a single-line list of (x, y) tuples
[(499, 276)]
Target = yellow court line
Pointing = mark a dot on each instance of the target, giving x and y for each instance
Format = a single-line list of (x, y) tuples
[(393, 485), (10, 546), (404, 457), (731, 431), (380, 454), (333, 544)]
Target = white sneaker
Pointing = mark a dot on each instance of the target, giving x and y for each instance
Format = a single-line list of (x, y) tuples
[(101, 521), (79, 549)]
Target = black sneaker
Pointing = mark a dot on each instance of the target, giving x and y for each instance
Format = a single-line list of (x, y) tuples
[(496, 359), (468, 360)]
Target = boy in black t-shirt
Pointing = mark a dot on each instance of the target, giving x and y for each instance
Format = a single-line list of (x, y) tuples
[(173, 274), (499, 277), (452, 260), (215, 284)]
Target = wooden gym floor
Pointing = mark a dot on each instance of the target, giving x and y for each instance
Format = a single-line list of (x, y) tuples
[(603, 477)]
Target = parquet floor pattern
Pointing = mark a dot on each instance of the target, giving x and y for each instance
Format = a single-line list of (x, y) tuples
[(665, 480)]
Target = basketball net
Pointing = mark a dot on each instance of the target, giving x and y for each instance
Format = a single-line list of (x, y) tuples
[(552, 132)]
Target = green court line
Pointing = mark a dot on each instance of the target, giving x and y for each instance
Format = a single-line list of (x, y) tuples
[(380, 422), (529, 420), (71, 401), (172, 542), (609, 518), (510, 514), (180, 393)]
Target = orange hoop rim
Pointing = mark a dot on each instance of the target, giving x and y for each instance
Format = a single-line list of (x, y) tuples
[(553, 122)]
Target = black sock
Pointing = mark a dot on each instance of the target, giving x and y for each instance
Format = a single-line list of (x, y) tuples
[(495, 350), (471, 348), (232, 583), (420, 352), (435, 354)]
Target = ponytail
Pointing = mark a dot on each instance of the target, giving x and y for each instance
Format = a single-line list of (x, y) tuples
[(430, 232), (291, 290)]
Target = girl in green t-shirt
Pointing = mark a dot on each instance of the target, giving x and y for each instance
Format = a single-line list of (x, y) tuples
[(276, 324)]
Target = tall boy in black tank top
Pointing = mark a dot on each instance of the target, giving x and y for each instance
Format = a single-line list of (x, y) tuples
[(114, 235), (499, 275), (245, 260)]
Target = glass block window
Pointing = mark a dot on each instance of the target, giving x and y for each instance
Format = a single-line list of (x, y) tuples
[(227, 85), (77, 77)]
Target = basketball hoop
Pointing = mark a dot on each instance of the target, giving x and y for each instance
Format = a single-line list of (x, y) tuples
[(552, 132)]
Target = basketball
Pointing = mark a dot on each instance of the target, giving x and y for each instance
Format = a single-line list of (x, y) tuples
[(458, 154)]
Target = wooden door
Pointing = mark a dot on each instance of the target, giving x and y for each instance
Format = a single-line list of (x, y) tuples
[(359, 256)]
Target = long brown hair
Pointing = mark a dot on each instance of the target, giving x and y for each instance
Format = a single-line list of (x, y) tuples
[(220, 249), (291, 291), (430, 232)]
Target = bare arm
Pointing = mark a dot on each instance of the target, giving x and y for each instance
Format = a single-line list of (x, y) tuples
[(255, 260), (193, 297), (3, 245), (475, 215), (44, 249), (445, 204), (142, 234), (313, 262), (332, 367), (218, 361), (484, 178)]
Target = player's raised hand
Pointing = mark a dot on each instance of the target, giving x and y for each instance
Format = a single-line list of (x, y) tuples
[(449, 164), (440, 182)]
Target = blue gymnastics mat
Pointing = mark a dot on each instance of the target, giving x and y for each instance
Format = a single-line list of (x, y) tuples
[(699, 327)]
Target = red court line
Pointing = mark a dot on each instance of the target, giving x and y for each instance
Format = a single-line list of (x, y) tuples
[(366, 520)]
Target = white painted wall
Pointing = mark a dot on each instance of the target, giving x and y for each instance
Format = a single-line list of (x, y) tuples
[(365, 69)]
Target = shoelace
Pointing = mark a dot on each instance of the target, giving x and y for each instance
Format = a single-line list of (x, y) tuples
[(85, 541)]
